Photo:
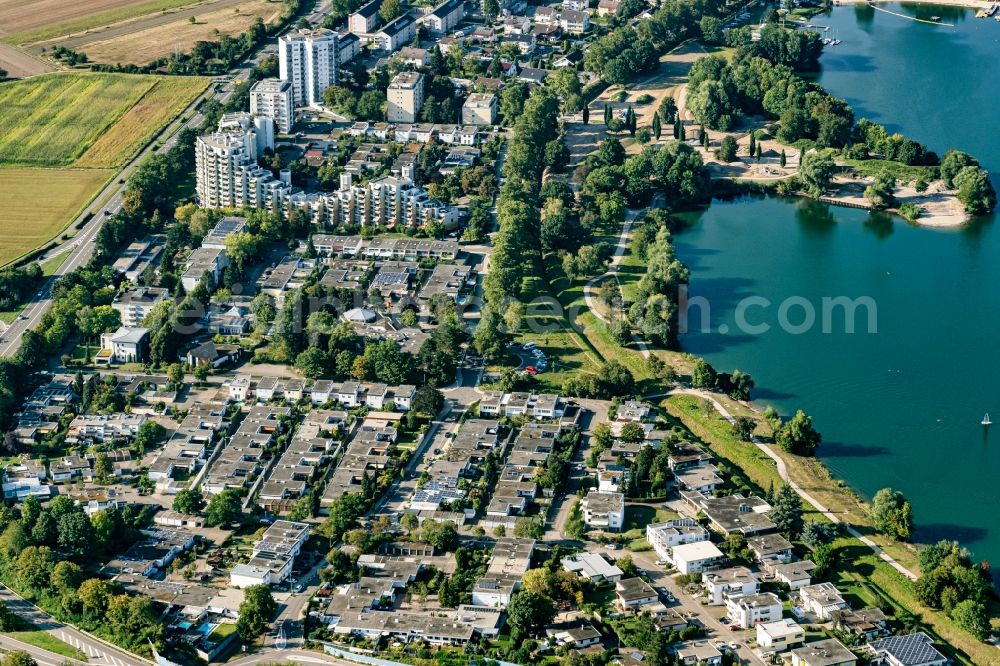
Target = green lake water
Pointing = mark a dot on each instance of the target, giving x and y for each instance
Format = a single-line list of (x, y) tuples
[(899, 407)]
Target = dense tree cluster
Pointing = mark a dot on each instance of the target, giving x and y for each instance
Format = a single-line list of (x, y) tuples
[(798, 49), (721, 92), (655, 309), (17, 284), (255, 612), (951, 581), (626, 51), (787, 512), (44, 552), (891, 514), (611, 380), (649, 474), (798, 436)]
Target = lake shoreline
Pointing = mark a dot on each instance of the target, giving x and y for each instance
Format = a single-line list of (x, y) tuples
[(972, 4)]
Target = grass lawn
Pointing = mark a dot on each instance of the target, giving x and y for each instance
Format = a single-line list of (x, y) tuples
[(902, 172), (544, 324), (37, 204), (54, 119), (637, 516), (45, 28), (48, 642)]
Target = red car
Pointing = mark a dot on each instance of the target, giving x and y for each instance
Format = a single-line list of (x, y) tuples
[(531, 370)]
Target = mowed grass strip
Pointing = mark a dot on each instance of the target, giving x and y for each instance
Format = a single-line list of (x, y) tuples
[(44, 28), (50, 120), (159, 106), (37, 204), (48, 642)]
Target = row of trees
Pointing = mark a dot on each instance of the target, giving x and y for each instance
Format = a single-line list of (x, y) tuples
[(516, 246)]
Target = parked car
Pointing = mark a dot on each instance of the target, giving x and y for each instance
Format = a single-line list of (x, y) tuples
[(531, 370)]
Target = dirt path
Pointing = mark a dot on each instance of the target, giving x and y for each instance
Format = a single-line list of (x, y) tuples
[(612, 272), (20, 64)]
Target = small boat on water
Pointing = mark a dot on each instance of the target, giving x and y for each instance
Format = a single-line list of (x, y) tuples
[(937, 19), (986, 419)]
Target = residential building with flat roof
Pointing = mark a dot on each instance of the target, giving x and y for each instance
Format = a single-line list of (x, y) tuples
[(829, 652), (733, 582), (702, 651), (136, 302), (309, 60), (910, 650), (593, 567), (274, 98), (665, 536), (405, 97), (480, 109), (780, 635), (747, 611), (822, 600), (604, 511), (695, 557)]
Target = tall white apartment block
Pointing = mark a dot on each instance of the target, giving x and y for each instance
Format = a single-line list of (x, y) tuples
[(309, 59), (272, 98), (226, 171), (219, 160), (405, 97)]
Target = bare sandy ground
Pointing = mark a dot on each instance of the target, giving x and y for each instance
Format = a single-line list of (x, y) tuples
[(939, 207)]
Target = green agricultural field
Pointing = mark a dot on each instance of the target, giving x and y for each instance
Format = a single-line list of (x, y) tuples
[(37, 204), (160, 105), (53, 119), (95, 123)]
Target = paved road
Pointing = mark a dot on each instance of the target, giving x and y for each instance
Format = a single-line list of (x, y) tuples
[(98, 651), (289, 657), (396, 497), (688, 605)]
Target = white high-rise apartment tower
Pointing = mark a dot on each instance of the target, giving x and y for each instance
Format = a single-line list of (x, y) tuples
[(309, 60), (273, 99)]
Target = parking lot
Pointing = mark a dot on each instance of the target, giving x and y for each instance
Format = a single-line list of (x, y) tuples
[(533, 360)]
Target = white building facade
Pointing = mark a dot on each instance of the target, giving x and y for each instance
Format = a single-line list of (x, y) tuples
[(273, 99), (309, 60)]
